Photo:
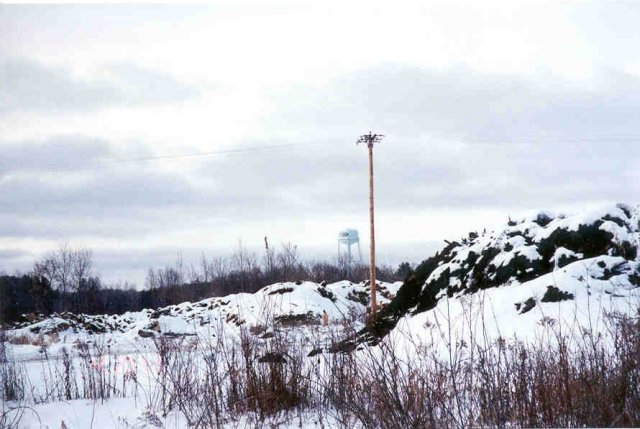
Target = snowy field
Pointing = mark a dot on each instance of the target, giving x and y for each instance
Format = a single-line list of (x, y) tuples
[(64, 357), (125, 373), (285, 356)]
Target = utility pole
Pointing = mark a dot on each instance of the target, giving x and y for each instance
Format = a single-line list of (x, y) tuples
[(370, 140)]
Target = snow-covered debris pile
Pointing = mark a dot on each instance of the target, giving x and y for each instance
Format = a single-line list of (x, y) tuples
[(531, 263), (279, 305)]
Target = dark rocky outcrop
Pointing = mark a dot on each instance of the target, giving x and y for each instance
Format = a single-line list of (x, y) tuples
[(523, 251)]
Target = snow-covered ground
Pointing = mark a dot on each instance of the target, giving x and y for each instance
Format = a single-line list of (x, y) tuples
[(528, 311), (538, 279), (540, 276), (121, 351), (276, 306), (123, 413)]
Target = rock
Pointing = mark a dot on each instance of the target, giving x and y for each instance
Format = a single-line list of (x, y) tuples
[(553, 294), (156, 314), (314, 352), (146, 334), (152, 326), (281, 291), (308, 318)]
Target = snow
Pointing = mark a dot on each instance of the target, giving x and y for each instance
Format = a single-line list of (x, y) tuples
[(263, 308), (123, 413), (562, 252), (522, 238), (529, 252), (589, 217), (586, 291), (492, 313), (114, 413), (175, 325)]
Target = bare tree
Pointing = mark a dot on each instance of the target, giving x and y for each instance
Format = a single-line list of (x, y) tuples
[(151, 281), (242, 259), (66, 269), (81, 266), (219, 268), (194, 276), (244, 267), (287, 260), (169, 277)]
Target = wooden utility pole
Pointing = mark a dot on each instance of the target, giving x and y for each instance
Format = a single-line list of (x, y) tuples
[(370, 140)]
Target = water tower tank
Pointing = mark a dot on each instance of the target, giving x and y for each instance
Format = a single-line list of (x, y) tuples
[(349, 237)]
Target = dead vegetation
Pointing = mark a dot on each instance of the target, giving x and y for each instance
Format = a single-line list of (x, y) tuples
[(582, 378), (39, 340)]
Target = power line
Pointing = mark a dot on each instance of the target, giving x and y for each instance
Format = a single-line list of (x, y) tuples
[(541, 139), (108, 162), (469, 140)]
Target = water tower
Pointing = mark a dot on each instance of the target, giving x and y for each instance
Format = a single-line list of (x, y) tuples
[(349, 237)]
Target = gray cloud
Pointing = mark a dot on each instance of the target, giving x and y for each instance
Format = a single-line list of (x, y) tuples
[(73, 185), (462, 138), (424, 163), (55, 153), (455, 140), (14, 259), (100, 202), (8, 254), (420, 176), (472, 106), (68, 187), (29, 86)]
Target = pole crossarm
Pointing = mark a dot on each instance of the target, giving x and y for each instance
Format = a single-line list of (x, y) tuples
[(370, 139)]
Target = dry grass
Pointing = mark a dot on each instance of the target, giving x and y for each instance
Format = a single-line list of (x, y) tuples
[(586, 379), (594, 383), (28, 339)]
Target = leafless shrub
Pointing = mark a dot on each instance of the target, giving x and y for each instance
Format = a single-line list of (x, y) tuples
[(11, 375), (23, 339), (582, 377)]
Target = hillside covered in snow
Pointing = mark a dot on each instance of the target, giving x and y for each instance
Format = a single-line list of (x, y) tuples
[(274, 307), (568, 268)]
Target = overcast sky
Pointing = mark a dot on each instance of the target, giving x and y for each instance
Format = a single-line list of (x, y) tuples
[(489, 110)]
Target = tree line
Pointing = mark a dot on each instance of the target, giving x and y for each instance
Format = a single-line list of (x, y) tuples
[(66, 280)]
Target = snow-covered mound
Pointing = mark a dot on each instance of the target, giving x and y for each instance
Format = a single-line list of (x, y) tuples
[(544, 268), (278, 305)]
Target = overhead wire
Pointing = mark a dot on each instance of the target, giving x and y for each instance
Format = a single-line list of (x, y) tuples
[(108, 162)]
